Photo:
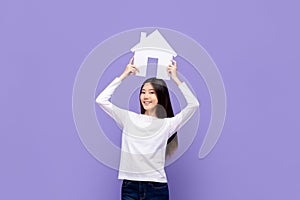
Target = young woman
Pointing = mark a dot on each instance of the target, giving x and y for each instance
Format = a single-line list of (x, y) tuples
[(145, 136)]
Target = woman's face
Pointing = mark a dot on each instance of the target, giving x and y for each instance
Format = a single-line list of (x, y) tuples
[(148, 98)]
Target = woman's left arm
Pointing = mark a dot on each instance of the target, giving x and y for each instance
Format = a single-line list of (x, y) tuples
[(172, 70), (192, 103)]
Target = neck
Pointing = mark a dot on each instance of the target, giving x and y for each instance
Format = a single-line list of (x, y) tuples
[(151, 113)]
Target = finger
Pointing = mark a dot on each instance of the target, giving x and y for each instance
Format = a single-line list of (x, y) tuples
[(173, 66), (131, 60), (168, 71), (135, 68)]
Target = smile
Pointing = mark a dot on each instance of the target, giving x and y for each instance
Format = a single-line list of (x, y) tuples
[(147, 102)]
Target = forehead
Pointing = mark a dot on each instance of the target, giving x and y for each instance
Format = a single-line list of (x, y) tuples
[(147, 86)]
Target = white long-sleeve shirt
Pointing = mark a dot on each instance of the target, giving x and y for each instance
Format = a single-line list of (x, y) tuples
[(144, 138)]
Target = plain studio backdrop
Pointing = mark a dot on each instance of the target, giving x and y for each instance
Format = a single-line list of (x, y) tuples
[(255, 45)]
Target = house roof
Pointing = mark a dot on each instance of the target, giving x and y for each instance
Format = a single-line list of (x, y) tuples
[(154, 41)]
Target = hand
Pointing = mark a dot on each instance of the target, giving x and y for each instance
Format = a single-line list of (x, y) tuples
[(130, 69), (172, 70)]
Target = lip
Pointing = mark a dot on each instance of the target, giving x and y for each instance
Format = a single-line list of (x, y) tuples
[(147, 102)]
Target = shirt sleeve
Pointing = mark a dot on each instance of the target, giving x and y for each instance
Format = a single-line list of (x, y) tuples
[(182, 117), (118, 114)]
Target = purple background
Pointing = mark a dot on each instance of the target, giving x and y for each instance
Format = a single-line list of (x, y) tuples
[(254, 43)]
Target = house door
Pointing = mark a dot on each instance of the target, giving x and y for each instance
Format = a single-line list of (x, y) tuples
[(152, 67)]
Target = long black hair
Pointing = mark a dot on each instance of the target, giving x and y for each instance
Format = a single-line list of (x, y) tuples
[(164, 108)]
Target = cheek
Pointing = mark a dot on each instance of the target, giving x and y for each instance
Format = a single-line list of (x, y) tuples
[(155, 98)]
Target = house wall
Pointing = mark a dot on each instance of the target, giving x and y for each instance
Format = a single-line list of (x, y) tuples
[(141, 61)]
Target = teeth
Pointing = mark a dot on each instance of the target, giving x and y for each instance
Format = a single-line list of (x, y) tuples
[(147, 102)]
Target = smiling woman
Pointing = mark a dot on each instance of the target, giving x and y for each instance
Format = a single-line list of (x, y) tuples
[(155, 101), (146, 136)]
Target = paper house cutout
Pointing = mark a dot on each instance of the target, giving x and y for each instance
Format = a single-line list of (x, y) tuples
[(153, 46)]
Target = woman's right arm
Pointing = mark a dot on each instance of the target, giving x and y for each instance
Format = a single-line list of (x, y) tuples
[(129, 70), (118, 114), (103, 100)]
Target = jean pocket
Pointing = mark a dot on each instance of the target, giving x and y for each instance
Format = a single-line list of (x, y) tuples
[(157, 185), (126, 183)]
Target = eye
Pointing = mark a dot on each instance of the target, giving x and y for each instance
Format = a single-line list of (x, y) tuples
[(152, 92), (143, 92)]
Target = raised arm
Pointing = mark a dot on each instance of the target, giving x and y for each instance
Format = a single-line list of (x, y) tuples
[(172, 70), (192, 103), (129, 70), (118, 114)]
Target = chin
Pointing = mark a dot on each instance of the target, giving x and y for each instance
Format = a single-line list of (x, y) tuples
[(149, 109)]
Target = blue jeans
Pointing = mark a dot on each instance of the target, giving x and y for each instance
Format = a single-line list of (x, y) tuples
[(144, 190)]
